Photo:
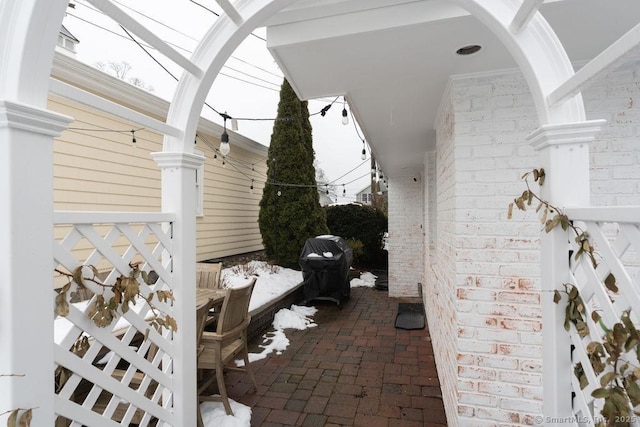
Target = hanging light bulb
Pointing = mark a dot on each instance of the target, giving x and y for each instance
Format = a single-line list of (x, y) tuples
[(133, 137), (251, 188), (344, 191), (345, 116), (364, 154), (225, 148), (279, 193), (326, 189), (224, 138)]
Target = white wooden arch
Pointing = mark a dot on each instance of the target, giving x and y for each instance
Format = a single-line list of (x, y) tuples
[(28, 33)]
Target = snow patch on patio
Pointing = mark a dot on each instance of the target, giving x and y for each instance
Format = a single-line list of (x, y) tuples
[(366, 280), (214, 415), (298, 317)]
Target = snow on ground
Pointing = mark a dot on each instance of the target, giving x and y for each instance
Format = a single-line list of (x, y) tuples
[(276, 341), (214, 415), (268, 287), (272, 281), (366, 279)]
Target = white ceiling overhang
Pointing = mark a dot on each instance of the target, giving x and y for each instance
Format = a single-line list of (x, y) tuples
[(392, 59)]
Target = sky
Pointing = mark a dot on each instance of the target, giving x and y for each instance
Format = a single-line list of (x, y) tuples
[(248, 86)]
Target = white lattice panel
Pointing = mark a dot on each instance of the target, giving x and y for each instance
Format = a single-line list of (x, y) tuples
[(122, 377), (615, 235)]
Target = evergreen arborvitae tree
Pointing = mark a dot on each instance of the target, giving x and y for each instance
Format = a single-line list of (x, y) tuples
[(290, 209)]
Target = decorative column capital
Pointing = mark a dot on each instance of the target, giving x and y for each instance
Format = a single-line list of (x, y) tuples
[(565, 133), (170, 160), (15, 115)]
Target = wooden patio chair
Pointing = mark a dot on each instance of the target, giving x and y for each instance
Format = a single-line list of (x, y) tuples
[(221, 347), (208, 275)]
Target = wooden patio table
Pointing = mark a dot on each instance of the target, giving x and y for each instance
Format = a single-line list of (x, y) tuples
[(216, 296)]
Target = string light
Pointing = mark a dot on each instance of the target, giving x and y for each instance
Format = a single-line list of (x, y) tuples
[(345, 116), (243, 164), (132, 131), (344, 191), (324, 110), (363, 156), (225, 148)]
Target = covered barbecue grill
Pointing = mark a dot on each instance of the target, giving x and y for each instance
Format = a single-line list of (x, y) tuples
[(325, 263)]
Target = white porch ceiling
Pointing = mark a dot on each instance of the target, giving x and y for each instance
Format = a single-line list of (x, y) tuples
[(392, 59)]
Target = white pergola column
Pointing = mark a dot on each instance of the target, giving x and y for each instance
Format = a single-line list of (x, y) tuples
[(179, 197), (26, 251), (564, 155)]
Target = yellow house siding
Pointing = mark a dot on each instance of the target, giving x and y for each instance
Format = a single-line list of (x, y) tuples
[(100, 170), (103, 171), (230, 222)]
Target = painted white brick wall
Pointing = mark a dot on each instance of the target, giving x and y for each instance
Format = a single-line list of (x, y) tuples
[(406, 236), (496, 261), (615, 156), (439, 290), (482, 290)]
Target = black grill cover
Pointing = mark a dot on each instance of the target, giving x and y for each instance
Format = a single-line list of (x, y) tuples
[(326, 277)]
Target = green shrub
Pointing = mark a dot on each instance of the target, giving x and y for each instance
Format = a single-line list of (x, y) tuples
[(361, 223), (357, 247)]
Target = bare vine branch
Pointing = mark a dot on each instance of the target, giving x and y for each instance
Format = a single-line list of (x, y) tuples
[(619, 379)]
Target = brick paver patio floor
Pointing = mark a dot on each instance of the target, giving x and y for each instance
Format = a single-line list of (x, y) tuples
[(354, 369)]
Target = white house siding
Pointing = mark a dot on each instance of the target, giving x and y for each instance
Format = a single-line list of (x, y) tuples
[(482, 295), (406, 236), (103, 171)]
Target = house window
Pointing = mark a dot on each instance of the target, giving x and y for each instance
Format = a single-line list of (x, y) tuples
[(199, 187)]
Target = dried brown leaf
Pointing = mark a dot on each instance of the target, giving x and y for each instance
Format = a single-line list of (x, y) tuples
[(610, 283), (77, 276), (25, 418), (62, 305), (13, 418)]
